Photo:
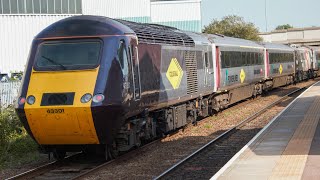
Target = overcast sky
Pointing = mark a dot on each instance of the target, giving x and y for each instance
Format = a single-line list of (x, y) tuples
[(298, 13)]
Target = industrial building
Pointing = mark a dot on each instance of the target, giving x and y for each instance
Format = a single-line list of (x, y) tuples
[(309, 36), (21, 20)]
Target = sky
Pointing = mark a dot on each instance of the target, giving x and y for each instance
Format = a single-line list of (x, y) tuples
[(298, 13)]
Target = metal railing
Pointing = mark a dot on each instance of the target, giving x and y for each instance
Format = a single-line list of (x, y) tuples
[(9, 93)]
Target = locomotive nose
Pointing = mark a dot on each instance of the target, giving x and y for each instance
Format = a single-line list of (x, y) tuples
[(59, 110)]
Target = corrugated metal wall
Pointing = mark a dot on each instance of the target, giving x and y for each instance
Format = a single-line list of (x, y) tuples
[(134, 10), (16, 34), (9, 93), (185, 15)]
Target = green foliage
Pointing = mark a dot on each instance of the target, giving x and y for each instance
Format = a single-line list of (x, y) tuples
[(16, 146), (284, 26), (10, 125), (233, 26)]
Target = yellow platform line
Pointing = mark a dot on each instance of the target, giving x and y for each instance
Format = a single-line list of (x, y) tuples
[(292, 161)]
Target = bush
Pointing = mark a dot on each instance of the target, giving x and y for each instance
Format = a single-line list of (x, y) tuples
[(10, 126), (15, 143)]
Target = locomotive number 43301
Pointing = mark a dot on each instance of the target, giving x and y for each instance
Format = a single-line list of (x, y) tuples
[(55, 111)]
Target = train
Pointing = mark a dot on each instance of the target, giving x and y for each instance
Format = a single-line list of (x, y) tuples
[(93, 82)]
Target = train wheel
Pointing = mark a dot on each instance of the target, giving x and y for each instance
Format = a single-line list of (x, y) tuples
[(59, 154), (110, 153)]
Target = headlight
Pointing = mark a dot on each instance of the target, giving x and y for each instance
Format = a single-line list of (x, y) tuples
[(86, 98), (31, 99), (21, 100), (98, 98)]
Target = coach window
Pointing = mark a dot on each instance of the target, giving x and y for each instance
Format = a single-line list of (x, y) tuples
[(251, 62), (243, 58), (238, 58), (256, 59), (227, 59), (260, 59), (275, 58), (285, 57), (280, 58), (290, 57), (230, 62)]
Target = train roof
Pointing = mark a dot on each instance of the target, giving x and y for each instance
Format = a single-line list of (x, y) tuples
[(159, 34), (84, 26), (277, 46), (221, 40), (302, 48), (198, 38), (87, 25)]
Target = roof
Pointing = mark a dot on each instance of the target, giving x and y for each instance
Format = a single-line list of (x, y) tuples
[(221, 40), (84, 26), (277, 46)]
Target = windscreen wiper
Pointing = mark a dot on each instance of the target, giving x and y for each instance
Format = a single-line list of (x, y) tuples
[(54, 62)]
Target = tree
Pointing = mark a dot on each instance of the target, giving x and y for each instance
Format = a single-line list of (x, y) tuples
[(233, 26), (284, 26)]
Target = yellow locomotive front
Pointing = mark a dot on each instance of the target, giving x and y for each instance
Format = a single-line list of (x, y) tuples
[(60, 92)]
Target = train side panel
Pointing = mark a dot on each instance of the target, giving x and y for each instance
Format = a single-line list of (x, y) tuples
[(281, 67), (245, 67)]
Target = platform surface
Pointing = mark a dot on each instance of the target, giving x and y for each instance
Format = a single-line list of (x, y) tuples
[(287, 148)]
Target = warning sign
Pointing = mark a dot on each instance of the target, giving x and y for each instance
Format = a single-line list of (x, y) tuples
[(174, 73), (242, 75)]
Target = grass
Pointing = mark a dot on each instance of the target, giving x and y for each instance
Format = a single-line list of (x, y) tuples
[(16, 146)]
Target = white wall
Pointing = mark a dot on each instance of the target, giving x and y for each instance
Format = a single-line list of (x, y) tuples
[(16, 35), (117, 8), (164, 11), (295, 35), (312, 34)]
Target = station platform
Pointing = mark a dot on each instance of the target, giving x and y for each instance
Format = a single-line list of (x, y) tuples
[(287, 148)]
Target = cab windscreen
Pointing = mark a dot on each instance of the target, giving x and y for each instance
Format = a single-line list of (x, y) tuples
[(68, 55)]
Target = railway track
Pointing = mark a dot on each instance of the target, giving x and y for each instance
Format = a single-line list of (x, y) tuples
[(207, 160), (76, 166), (117, 161), (66, 169)]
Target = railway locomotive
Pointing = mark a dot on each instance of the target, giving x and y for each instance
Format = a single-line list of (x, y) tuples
[(101, 83)]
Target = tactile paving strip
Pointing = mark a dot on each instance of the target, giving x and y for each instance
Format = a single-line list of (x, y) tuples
[(293, 159)]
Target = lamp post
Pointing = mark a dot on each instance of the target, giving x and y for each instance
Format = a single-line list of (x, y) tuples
[(265, 14)]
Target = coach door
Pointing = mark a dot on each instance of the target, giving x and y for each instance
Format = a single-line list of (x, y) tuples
[(208, 69), (135, 72)]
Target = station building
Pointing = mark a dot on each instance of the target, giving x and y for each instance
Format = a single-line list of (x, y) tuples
[(21, 20)]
